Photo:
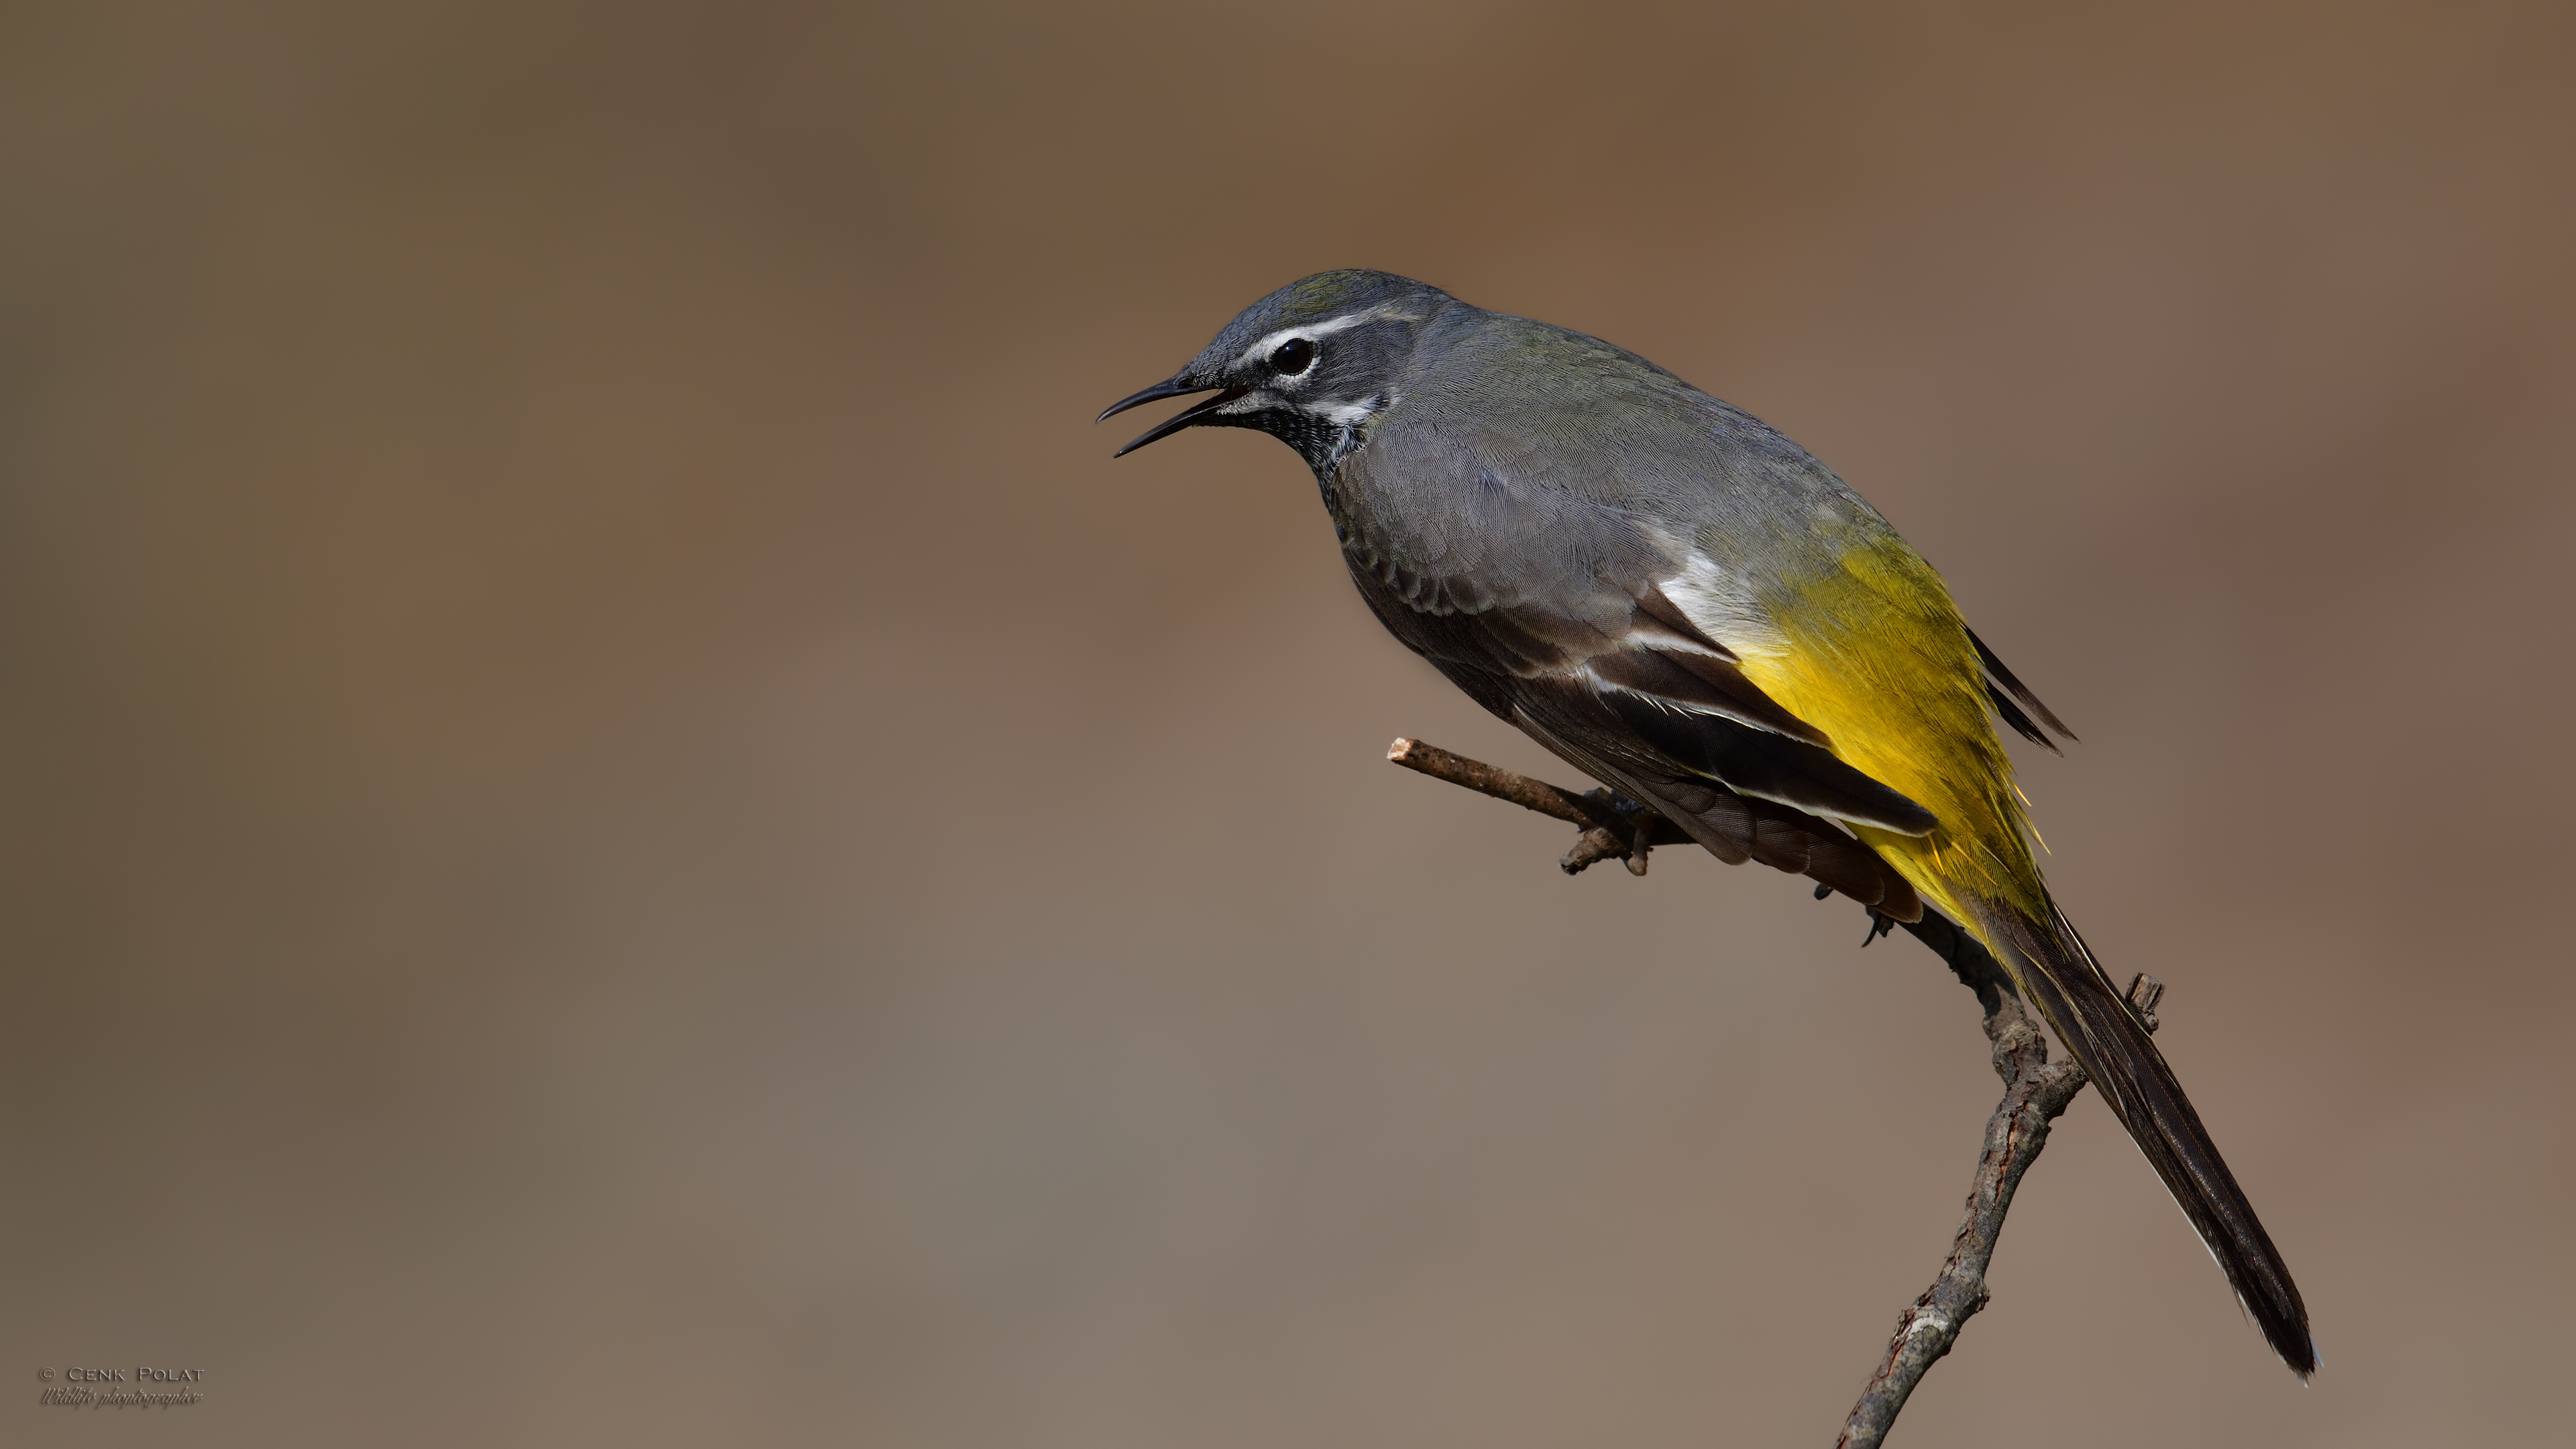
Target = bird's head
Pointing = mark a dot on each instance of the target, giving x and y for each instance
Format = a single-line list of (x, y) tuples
[(1310, 364)]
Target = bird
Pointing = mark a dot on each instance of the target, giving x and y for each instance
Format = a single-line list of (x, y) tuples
[(1671, 596)]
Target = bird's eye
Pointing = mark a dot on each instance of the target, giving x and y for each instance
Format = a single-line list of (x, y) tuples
[(1293, 357)]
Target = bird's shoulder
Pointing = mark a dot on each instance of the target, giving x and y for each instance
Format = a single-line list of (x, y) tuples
[(1533, 407), (1520, 455)]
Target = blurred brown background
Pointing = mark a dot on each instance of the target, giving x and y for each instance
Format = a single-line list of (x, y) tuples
[(615, 827)]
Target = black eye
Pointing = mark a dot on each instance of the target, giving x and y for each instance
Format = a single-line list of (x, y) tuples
[(1293, 357)]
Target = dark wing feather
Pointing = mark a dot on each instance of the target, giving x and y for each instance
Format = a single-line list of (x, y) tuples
[(1684, 731), (1571, 719), (1774, 767), (2020, 722), (1703, 682), (2012, 685)]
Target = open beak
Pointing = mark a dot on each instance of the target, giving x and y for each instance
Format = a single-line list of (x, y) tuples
[(1194, 413)]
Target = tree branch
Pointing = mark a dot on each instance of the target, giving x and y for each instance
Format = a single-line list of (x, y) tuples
[(1613, 826), (2035, 1091)]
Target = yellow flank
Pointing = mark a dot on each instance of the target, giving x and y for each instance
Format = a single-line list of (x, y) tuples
[(1879, 659)]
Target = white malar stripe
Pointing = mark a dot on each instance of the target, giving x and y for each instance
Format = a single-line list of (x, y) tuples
[(1352, 414)]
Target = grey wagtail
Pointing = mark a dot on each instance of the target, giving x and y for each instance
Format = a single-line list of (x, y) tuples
[(1678, 601)]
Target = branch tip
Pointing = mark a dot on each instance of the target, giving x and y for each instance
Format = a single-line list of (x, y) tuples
[(2143, 994)]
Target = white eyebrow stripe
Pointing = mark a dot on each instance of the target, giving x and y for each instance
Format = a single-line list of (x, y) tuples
[(1310, 331)]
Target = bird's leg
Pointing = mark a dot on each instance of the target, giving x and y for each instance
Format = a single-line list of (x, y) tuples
[(1641, 822), (1630, 842), (1879, 923), (1593, 845)]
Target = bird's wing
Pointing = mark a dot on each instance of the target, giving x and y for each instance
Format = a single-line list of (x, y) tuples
[(1869, 648), (1733, 824), (1667, 718), (1482, 552), (1572, 491)]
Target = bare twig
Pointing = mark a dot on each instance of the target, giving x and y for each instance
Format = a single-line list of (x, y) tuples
[(1614, 826), (2035, 1091)]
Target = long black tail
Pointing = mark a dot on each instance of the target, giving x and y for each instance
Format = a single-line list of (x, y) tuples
[(2058, 975)]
